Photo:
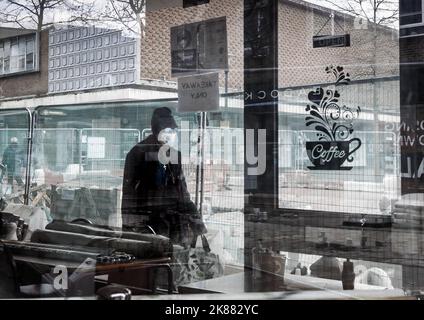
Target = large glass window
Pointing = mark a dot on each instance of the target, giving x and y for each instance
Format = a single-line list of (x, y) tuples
[(205, 147), (15, 126), (338, 158), (337, 116)]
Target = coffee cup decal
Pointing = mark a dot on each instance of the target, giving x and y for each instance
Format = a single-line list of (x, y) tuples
[(334, 125)]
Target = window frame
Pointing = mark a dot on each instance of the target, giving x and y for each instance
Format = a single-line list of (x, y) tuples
[(20, 41)]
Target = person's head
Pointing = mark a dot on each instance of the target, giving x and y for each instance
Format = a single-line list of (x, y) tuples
[(14, 141), (162, 119), (164, 125)]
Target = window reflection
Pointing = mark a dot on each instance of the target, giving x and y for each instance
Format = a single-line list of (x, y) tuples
[(108, 189)]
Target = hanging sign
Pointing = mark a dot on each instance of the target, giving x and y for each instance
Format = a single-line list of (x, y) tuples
[(331, 41), (193, 3), (198, 93), (155, 5)]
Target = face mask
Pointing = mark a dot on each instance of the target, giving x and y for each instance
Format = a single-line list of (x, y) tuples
[(169, 137)]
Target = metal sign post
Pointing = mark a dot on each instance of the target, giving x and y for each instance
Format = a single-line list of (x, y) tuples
[(198, 51), (199, 93), (200, 166)]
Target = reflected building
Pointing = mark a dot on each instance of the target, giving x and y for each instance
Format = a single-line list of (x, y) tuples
[(340, 134)]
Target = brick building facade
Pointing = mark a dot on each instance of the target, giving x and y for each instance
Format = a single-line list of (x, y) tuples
[(32, 83), (372, 53)]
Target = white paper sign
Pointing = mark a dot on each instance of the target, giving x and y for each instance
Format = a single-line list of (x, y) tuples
[(96, 147), (198, 93)]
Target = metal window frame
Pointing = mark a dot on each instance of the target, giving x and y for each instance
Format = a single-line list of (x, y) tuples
[(36, 55)]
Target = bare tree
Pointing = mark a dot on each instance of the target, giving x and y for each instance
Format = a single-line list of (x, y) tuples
[(40, 14), (381, 17), (377, 12), (128, 14)]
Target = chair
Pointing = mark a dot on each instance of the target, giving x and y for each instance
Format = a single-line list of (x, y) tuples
[(13, 278)]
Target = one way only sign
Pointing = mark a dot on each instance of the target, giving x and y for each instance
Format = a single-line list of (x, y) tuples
[(198, 93)]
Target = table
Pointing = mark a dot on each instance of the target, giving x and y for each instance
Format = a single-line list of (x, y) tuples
[(234, 284), (135, 274)]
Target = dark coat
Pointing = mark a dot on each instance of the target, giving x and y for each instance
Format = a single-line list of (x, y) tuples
[(157, 193), (13, 159)]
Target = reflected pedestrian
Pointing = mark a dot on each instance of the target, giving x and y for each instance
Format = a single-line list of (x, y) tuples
[(155, 193), (12, 162)]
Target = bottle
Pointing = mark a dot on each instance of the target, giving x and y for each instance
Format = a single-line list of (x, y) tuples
[(257, 253), (348, 275)]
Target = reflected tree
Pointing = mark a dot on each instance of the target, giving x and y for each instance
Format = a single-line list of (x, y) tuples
[(378, 17), (128, 15), (378, 12), (39, 14)]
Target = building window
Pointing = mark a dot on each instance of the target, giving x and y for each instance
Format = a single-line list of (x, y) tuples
[(17, 54)]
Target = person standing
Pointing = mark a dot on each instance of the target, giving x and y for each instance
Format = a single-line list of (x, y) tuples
[(155, 193), (12, 162)]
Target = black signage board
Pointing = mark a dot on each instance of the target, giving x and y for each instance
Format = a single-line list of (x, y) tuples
[(193, 3), (260, 112), (412, 31), (411, 12), (411, 111), (411, 18), (331, 41), (261, 76), (199, 47)]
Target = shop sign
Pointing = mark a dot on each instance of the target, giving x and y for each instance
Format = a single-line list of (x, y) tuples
[(155, 5), (193, 3), (331, 41), (198, 93), (333, 124)]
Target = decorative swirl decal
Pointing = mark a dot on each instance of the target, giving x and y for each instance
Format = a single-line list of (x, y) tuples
[(339, 74), (333, 123)]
